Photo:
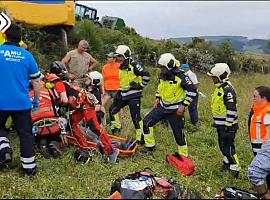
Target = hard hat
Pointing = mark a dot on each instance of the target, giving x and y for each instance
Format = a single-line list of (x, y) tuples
[(185, 67), (221, 71), (167, 60), (58, 68), (96, 77), (124, 51), (52, 77)]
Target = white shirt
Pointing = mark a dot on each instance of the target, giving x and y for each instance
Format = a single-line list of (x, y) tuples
[(192, 76), (266, 120)]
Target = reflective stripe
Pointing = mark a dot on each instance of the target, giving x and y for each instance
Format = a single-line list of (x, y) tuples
[(258, 131), (193, 94), (234, 167), (172, 107), (28, 160), (29, 166), (4, 145), (230, 112), (229, 119), (189, 99), (129, 92), (36, 75), (225, 159), (219, 122), (4, 139), (219, 116), (147, 78), (256, 150)]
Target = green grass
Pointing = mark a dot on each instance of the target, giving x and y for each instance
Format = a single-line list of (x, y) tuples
[(64, 178)]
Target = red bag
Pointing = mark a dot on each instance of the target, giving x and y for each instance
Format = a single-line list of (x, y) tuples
[(182, 163)]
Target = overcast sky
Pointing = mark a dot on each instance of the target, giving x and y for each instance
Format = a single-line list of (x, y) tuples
[(161, 20)]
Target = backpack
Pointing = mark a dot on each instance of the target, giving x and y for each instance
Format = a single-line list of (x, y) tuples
[(144, 185), (182, 163), (234, 193)]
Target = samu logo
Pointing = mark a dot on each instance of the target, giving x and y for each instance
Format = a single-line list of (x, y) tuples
[(5, 22)]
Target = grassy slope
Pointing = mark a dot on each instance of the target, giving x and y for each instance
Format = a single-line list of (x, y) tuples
[(64, 178)]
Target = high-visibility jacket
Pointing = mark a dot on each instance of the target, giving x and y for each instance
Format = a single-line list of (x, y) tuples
[(224, 105), (132, 80), (258, 134), (2, 38), (178, 90), (111, 75)]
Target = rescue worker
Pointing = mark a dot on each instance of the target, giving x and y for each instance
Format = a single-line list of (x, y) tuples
[(132, 81), (260, 117), (193, 108), (175, 92), (17, 67), (94, 84), (224, 111), (83, 103)]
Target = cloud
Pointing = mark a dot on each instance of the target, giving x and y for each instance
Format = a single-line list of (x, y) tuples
[(165, 19)]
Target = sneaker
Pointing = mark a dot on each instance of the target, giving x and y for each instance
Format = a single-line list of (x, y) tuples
[(54, 149), (44, 151), (112, 158)]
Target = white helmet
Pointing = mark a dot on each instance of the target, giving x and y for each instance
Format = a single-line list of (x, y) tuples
[(124, 51), (167, 60), (96, 77), (221, 71)]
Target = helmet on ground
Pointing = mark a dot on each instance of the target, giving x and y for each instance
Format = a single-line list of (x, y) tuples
[(221, 71), (58, 68), (52, 77), (96, 77), (167, 60), (124, 51), (185, 67)]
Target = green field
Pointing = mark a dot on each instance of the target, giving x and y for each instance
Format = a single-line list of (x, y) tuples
[(64, 178)]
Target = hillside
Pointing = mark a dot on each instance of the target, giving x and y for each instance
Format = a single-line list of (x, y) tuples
[(239, 43)]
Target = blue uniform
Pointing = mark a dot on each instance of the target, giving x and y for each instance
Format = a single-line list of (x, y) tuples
[(17, 67)]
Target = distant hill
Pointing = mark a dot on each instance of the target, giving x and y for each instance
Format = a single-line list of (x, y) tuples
[(239, 43)]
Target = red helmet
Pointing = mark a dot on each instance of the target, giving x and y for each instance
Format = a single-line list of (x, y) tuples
[(52, 77)]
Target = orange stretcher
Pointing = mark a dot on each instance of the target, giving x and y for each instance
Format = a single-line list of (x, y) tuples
[(123, 152)]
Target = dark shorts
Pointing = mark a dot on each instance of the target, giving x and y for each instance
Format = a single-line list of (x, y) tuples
[(111, 93)]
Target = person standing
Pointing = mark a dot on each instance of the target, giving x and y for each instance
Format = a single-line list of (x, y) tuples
[(133, 78), (193, 107), (17, 67), (78, 62), (111, 76), (175, 92), (224, 111)]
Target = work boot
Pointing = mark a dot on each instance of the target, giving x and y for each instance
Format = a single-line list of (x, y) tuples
[(112, 158), (225, 167), (235, 173), (54, 149), (151, 149), (116, 131), (29, 172), (7, 159), (44, 151)]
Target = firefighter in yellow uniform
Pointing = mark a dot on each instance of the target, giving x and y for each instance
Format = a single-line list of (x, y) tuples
[(224, 111), (133, 78), (175, 92)]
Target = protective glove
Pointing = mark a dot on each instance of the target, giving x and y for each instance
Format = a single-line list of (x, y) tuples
[(135, 86), (35, 104)]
